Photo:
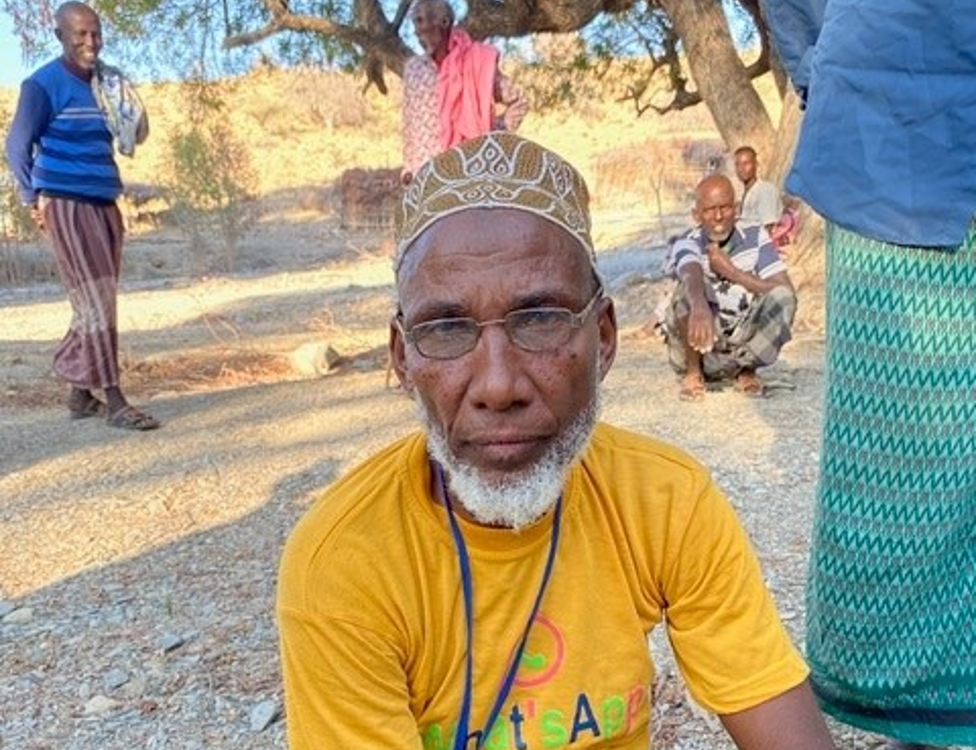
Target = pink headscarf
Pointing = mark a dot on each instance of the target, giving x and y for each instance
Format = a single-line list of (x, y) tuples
[(466, 89)]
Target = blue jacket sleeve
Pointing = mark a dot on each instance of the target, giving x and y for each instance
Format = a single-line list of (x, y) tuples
[(795, 27), (30, 121)]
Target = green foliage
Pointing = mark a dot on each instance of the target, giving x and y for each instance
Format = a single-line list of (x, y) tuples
[(570, 73), (16, 226), (208, 177), (15, 220)]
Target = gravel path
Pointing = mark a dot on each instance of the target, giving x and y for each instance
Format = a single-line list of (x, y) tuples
[(138, 570)]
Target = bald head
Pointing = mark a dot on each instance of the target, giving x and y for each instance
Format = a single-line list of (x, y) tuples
[(80, 32), (69, 10), (715, 210), (712, 185)]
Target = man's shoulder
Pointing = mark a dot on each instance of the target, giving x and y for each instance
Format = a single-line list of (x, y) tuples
[(363, 489), (49, 72), (639, 477), (693, 234), (690, 244), (749, 231), (618, 446), (416, 63)]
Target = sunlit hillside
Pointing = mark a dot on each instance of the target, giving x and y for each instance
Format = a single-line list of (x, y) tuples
[(304, 127)]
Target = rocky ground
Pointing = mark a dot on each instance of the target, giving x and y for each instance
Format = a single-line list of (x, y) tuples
[(138, 570)]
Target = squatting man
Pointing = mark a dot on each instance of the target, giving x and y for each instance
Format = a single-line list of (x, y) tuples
[(733, 307)]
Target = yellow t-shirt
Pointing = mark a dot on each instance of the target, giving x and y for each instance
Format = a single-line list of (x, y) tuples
[(371, 611)]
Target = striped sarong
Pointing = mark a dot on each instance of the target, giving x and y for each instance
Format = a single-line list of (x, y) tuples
[(891, 601), (87, 241)]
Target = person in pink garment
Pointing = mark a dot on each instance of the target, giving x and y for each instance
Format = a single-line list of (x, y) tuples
[(452, 92)]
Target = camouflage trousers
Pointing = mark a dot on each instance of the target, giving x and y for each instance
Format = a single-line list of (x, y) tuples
[(753, 340)]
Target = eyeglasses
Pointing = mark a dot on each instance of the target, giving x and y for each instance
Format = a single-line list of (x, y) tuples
[(533, 329)]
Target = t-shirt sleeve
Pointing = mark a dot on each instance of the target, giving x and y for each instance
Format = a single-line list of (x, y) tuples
[(722, 623), (795, 27), (684, 251), (343, 660), (769, 262), (344, 686), (769, 207)]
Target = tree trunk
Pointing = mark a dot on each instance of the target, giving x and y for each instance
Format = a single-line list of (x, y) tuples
[(719, 74)]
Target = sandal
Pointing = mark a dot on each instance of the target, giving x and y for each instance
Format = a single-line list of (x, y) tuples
[(84, 408), (692, 390), (749, 384), (130, 418)]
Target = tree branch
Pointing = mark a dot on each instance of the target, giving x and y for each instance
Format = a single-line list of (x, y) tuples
[(372, 34), (248, 38)]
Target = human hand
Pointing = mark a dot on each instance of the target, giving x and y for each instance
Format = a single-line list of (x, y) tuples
[(720, 263), (514, 114), (701, 328), (37, 216)]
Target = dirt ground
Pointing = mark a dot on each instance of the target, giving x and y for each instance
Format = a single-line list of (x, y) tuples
[(138, 570)]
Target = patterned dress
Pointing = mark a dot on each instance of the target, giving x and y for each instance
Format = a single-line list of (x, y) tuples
[(887, 154), (892, 591), (421, 122)]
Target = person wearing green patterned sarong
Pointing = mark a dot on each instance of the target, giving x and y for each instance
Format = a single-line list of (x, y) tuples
[(887, 154)]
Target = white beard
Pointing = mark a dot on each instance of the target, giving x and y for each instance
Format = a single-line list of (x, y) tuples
[(524, 497)]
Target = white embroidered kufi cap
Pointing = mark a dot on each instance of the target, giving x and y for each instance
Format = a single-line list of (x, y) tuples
[(498, 170)]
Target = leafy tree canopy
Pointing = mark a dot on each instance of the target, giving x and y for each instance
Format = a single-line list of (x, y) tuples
[(207, 38)]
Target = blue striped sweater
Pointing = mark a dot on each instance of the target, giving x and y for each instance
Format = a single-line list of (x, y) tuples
[(59, 143)]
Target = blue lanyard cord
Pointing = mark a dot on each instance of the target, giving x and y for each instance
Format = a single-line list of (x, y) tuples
[(464, 719)]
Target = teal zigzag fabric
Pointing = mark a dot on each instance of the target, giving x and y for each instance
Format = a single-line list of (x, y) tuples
[(891, 601)]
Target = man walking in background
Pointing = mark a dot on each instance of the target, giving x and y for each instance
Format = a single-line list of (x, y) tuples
[(60, 148), (450, 91)]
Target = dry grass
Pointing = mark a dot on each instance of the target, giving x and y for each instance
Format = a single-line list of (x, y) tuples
[(304, 127)]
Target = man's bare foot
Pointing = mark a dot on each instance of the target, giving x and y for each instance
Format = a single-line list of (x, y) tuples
[(692, 387), (749, 383)]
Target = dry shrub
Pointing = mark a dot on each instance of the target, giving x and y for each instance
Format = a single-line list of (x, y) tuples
[(213, 369), (303, 100), (20, 264), (659, 174), (209, 180)]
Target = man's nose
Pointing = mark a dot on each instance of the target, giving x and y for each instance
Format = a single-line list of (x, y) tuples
[(497, 381)]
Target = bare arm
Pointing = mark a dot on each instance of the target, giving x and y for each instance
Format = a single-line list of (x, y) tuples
[(724, 267), (701, 325), (790, 721), (514, 104)]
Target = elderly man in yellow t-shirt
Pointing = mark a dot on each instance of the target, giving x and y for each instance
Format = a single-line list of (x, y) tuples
[(491, 581)]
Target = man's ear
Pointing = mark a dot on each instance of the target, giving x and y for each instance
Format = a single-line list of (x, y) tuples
[(608, 336), (58, 34), (398, 357)]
